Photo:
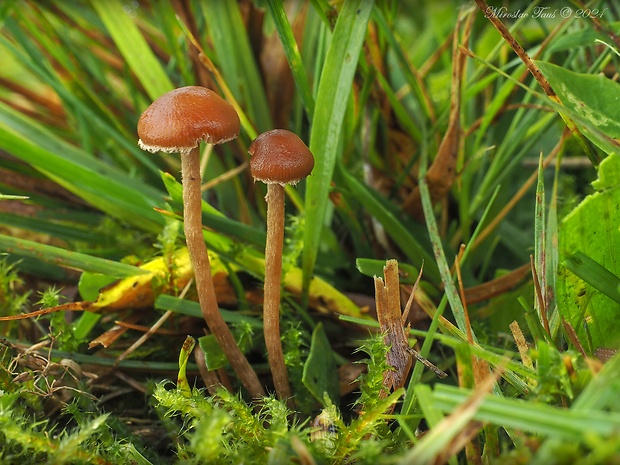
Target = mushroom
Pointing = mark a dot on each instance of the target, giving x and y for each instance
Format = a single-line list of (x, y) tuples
[(177, 122), (279, 157)]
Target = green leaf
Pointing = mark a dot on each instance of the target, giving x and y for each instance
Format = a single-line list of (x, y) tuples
[(85, 324), (320, 372), (594, 97), (331, 102), (91, 283), (592, 229), (133, 47), (214, 356), (370, 267)]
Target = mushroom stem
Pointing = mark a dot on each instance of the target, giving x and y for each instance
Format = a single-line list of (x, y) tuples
[(192, 224), (273, 276)]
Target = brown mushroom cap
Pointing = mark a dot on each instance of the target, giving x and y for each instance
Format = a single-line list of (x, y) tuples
[(178, 120), (280, 157)]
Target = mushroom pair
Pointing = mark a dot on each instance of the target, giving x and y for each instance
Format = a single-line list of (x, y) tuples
[(177, 122)]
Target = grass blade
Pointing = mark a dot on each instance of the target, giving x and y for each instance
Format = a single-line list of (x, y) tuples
[(236, 61), (66, 258), (190, 308), (94, 181), (133, 47), (595, 274), (213, 218), (540, 249), (532, 416), (276, 9), (88, 113), (331, 103), (444, 269)]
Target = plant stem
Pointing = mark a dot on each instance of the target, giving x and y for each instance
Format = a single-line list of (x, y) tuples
[(192, 204), (273, 276)]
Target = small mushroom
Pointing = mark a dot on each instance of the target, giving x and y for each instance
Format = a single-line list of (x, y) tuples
[(279, 157), (177, 122)]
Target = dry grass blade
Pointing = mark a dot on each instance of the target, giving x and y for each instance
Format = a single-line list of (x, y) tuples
[(186, 17), (442, 172), (69, 307), (496, 286), (411, 298), (106, 339), (518, 49), (521, 343), (572, 337), (153, 329)]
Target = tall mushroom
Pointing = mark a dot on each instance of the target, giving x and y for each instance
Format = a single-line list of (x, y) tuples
[(177, 122), (279, 157)]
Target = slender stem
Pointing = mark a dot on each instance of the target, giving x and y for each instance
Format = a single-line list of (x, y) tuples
[(192, 204), (273, 276)]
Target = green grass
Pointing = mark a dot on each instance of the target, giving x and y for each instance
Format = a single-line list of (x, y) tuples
[(370, 87)]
